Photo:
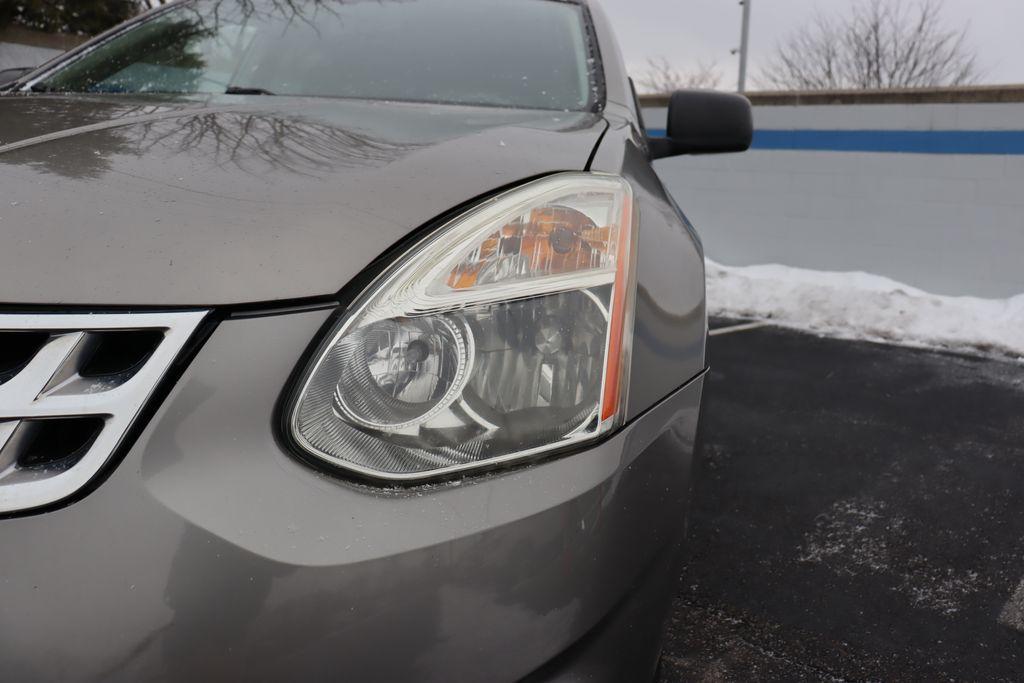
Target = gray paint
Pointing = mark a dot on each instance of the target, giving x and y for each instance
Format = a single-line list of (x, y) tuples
[(616, 80), (211, 553), (671, 323), (231, 201), (949, 224)]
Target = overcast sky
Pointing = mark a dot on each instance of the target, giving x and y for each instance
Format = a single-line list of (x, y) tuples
[(685, 31)]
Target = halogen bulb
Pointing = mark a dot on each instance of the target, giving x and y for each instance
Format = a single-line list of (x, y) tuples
[(401, 372), (549, 337)]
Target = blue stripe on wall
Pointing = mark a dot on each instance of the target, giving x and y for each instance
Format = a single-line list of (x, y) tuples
[(907, 141)]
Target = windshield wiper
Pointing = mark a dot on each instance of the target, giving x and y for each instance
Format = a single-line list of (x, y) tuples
[(238, 90)]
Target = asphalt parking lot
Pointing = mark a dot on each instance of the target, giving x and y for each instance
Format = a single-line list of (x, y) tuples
[(858, 515)]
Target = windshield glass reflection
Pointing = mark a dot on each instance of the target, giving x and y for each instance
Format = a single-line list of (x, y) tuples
[(528, 54)]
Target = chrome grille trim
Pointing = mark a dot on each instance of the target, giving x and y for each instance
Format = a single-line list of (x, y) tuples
[(32, 394)]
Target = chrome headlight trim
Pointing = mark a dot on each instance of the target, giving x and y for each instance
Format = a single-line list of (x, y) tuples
[(420, 268)]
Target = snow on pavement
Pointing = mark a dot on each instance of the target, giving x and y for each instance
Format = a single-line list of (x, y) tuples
[(857, 305)]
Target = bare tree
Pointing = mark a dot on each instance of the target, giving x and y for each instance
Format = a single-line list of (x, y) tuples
[(83, 17), (881, 44), (661, 77)]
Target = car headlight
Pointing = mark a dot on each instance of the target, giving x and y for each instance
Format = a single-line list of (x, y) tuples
[(503, 334)]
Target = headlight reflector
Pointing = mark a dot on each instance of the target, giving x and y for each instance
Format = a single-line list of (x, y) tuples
[(500, 336)]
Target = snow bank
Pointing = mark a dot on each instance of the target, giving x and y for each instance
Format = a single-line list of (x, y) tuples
[(864, 306)]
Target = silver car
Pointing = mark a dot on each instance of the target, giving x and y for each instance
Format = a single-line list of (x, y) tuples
[(345, 341)]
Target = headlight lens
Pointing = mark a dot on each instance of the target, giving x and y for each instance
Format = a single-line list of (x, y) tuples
[(504, 334)]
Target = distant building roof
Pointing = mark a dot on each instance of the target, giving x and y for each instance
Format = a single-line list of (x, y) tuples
[(952, 95)]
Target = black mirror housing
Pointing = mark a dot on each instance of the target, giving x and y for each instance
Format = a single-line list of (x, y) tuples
[(705, 122)]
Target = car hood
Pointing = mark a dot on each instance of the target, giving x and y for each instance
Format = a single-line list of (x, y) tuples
[(182, 202)]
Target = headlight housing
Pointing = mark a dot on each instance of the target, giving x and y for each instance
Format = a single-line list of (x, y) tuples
[(502, 335)]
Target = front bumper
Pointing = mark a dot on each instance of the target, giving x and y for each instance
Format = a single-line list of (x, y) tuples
[(212, 554)]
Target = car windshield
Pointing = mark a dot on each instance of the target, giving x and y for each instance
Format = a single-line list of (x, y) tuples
[(523, 53)]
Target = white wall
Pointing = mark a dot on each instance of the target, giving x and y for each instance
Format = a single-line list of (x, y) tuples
[(947, 223), (13, 55)]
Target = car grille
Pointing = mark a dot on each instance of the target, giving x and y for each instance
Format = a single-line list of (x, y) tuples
[(71, 385)]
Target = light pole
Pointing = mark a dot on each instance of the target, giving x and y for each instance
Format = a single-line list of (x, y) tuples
[(744, 36)]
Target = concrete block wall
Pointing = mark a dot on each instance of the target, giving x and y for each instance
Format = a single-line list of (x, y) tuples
[(15, 56), (927, 193), (23, 47)]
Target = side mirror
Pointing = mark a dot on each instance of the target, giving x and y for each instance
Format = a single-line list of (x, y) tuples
[(705, 122)]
